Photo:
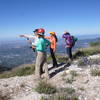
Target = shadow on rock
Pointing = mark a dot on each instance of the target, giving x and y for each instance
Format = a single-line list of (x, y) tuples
[(60, 69), (61, 64)]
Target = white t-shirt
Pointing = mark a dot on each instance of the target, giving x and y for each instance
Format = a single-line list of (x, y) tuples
[(35, 40), (33, 37)]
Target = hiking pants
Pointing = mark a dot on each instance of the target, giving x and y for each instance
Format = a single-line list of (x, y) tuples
[(53, 57), (69, 52), (41, 61)]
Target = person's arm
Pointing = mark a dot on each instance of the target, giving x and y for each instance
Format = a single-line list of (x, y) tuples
[(64, 36), (47, 37), (27, 36), (48, 42)]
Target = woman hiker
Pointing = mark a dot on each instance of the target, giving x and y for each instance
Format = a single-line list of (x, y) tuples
[(41, 59), (68, 40), (53, 39)]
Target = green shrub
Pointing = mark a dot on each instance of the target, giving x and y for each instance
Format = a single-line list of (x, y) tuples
[(22, 85), (57, 97), (91, 51), (19, 71), (73, 73), (69, 80), (70, 90), (49, 59), (78, 54), (74, 98), (43, 98), (62, 96), (86, 52), (95, 72), (46, 88), (62, 59), (95, 43), (59, 58), (81, 63), (81, 88), (95, 61)]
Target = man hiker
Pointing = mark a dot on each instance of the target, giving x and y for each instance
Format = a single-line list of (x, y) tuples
[(32, 39)]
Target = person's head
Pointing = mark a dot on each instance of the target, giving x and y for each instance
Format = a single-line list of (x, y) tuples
[(54, 34), (40, 35), (35, 31), (40, 32), (66, 32)]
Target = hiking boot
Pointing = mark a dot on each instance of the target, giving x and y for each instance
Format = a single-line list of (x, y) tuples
[(55, 66), (45, 77), (70, 60)]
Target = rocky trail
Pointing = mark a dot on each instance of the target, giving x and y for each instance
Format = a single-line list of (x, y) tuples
[(87, 87)]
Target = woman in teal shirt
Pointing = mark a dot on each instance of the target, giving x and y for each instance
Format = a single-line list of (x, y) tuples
[(41, 59)]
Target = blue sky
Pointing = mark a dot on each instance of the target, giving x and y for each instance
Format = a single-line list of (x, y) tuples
[(23, 16)]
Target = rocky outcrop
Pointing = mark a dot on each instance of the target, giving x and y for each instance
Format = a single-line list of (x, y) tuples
[(87, 87)]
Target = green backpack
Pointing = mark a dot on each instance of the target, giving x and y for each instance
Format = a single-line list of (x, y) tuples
[(74, 40)]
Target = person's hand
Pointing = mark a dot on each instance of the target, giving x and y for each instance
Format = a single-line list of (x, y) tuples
[(33, 47), (21, 35)]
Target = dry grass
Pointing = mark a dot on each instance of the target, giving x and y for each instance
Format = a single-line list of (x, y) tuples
[(94, 44), (46, 88), (95, 72), (63, 94), (19, 71)]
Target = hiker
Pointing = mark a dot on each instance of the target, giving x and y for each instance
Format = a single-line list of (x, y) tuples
[(41, 59), (53, 39), (32, 39), (70, 42)]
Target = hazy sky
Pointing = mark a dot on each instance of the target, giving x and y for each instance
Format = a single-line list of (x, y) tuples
[(23, 16)]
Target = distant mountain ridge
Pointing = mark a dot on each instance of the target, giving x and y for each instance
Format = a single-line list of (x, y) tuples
[(85, 36), (88, 36)]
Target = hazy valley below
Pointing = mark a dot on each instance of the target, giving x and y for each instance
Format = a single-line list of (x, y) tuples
[(17, 52)]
